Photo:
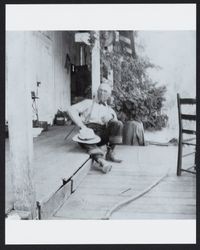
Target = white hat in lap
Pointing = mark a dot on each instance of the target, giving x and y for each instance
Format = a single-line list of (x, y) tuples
[(86, 136)]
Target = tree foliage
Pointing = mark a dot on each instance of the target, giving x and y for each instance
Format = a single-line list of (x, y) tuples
[(136, 96)]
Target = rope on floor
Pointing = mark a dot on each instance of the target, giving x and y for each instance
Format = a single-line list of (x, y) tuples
[(135, 197)]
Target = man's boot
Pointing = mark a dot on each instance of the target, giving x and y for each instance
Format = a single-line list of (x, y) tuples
[(102, 164), (110, 156)]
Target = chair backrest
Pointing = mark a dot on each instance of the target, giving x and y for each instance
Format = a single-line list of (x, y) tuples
[(186, 114), (183, 116)]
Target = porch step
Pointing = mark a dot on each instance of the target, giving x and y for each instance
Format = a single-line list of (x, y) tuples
[(55, 159), (50, 205), (52, 168), (56, 169)]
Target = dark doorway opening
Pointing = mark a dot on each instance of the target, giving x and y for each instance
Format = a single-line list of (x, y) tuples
[(80, 83)]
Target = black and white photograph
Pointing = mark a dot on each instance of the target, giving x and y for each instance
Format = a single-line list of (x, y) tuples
[(100, 124)]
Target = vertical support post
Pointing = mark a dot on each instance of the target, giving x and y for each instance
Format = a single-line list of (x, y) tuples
[(96, 64), (81, 55), (20, 122), (110, 71)]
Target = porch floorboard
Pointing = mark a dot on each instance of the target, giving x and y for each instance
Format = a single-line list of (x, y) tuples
[(173, 198)]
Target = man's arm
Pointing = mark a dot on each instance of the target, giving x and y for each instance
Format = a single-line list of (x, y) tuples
[(76, 109), (74, 115)]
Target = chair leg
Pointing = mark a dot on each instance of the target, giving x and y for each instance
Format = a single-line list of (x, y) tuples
[(179, 161)]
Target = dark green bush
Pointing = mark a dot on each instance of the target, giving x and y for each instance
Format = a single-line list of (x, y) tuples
[(136, 96)]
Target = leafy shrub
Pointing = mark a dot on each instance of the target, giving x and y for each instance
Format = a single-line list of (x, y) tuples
[(136, 96)]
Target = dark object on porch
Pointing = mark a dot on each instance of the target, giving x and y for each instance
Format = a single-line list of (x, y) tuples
[(60, 121), (40, 124), (6, 129), (60, 118), (133, 133), (187, 117)]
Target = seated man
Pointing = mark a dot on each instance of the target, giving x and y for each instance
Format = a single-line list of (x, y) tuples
[(97, 115)]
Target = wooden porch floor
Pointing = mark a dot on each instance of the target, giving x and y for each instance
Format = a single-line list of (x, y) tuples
[(172, 198), (56, 158)]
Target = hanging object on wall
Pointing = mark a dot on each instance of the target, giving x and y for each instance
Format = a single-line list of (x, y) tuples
[(34, 105), (67, 63)]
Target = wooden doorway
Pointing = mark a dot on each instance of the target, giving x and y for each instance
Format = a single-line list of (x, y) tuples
[(80, 83)]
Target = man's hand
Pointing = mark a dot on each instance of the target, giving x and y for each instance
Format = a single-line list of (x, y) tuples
[(86, 133), (74, 115)]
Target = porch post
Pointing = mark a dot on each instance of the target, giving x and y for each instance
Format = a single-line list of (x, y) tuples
[(20, 122), (96, 64)]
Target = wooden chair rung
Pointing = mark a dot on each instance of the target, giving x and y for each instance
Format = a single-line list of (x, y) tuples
[(189, 139), (188, 154), (188, 117), (189, 144), (188, 171), (188, 131), (188, 101)]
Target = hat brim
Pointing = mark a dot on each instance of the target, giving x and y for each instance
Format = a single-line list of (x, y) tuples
[(94, 140)]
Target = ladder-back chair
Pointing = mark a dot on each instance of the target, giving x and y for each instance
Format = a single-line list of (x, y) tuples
[(182, 130)]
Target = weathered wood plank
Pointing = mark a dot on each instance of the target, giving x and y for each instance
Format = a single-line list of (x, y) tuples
[(68, 160), (132, 214), (174, 197), (143, 216), (100, 214), (83, 215), (103, 204), (158, 193), (101, 201), (120, 191), (162, 208), (48, 207), (166, 201), (78, 177), (140, 187), (102, 191), (114, 177)]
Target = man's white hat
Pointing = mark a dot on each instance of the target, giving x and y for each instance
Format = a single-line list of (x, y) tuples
[(86, 136)]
